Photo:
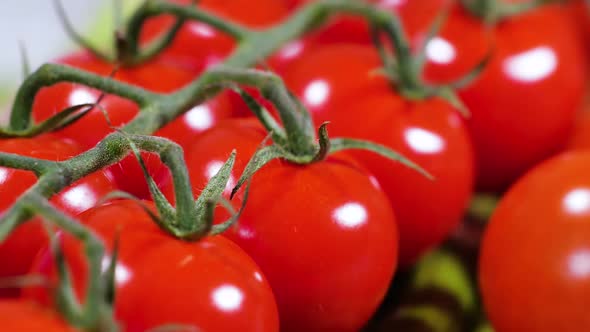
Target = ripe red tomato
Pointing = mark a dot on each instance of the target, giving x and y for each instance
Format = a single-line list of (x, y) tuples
[(159, 76), (19, 249), (524, 103), (201, 46), (580, 138), (211, 284), (27, 316), (534, 267), (430, 132), (314, 230), (533, 74)]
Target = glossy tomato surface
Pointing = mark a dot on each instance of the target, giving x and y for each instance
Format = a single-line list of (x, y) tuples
[(211, 285), (524, 103), (534, 267), (19, 249), (429, 132), (159, 75), (27, 316), (314, 230)]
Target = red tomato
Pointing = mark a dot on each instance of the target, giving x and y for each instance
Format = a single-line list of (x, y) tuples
[(210, 284), (429, 132), (19, 249), (314, 230), (158, 76), (27, 316), (534, 268), (580, 139), (354, 29), (524, 103), (200, 45), (534, 74)]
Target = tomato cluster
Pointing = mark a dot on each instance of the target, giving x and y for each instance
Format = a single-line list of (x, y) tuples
[(317, 243)]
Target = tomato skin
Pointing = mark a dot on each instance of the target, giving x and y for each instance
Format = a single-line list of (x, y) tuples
[(20, 248), (545, 83), (529, 92), (429, 132), (533, 267), (27, 316), (93, 127), (334, 220), (210, 284)]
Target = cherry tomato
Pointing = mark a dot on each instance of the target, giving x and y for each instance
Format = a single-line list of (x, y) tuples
[(27, 316), (580, 138), (200, 45), (534, 267), (19, 249), (314, 230), (211, 284), (533, 74), (159, 76), (524, 103), (429, 132)]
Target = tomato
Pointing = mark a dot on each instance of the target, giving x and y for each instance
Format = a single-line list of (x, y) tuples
[(314, 230), (354, 29), (533, 74), (200, 45), (27, 316), (534, 267), (159, 76), (19, 249), (211, 284), (580, 138), (524, 103), (429, 132)]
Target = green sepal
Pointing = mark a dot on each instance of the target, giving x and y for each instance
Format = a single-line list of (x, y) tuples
[(214, 191), (340, 144)]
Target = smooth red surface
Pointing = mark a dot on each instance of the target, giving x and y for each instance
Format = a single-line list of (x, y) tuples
[(159, 76), (27, 316), (534, 268), (19, 249), (359, 104), (314, 230), (524, 103), (210, 284)]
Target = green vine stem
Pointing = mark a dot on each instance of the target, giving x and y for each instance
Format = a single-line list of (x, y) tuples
[(493, 11)]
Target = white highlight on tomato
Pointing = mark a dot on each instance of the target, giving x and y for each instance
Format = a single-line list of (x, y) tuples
[(80, 197), (258, 276), (350, 215), (3, 174), (122, 273), (291, 50), (579, 264), (228, 297), (316, 92), (424, 141), (440, 51), (532, 65), (199, 117), (202, 29), (577, 201), (81, 96)]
